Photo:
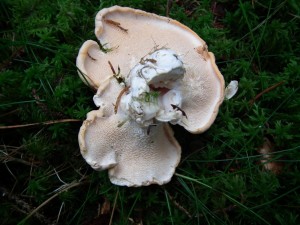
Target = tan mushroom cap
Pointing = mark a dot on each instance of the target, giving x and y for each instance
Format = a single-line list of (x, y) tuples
[(131, 34), (87, 70), (133, 157)]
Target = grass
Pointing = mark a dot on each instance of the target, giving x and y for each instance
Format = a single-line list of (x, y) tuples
[(220, 180)]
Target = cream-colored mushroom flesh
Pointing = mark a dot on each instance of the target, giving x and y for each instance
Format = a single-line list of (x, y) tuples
[(129, 34), (135, 156)]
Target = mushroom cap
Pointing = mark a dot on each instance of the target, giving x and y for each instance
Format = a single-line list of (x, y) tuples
[(133, 157), (131, 34), (87, 70)]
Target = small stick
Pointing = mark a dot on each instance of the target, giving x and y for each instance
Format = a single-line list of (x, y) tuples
[(119, 78), (119, 98), (42, 123), (112, 68), (180, 207), (23, 206), (251, 102), (91, 57), (72, 185), (176, 107), (116, 24)]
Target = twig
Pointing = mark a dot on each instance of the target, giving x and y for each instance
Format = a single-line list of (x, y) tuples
[(23, 206), (116, 24), (180, 207), (49, 199), (112, 68), (9, 158), (117, 76), (41, 123), (251, 102), (119, 98)]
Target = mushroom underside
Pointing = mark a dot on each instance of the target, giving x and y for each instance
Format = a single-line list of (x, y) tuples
[(133, 155)]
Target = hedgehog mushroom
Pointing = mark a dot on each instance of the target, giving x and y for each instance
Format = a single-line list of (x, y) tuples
[(165, 75)]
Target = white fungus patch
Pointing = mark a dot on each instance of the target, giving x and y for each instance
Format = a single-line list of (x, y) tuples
[(154, 93), (231, 89)]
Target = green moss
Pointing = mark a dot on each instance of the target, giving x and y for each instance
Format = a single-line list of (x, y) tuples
[(220, 179)]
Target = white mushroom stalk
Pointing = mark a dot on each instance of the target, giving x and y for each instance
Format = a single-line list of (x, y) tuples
[(154, 93)]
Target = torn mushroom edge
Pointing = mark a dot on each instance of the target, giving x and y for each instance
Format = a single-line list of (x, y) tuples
[(208, 55)]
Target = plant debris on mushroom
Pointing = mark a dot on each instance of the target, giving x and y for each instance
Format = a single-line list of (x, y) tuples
[(165, 75)]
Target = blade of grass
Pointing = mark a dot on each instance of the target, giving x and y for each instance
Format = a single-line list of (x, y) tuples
[(114, 208), (137, 197), (250, 157), (169, 207), (277, 198), (226, 195), (251, 32), (205, 210), (21, 102)]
